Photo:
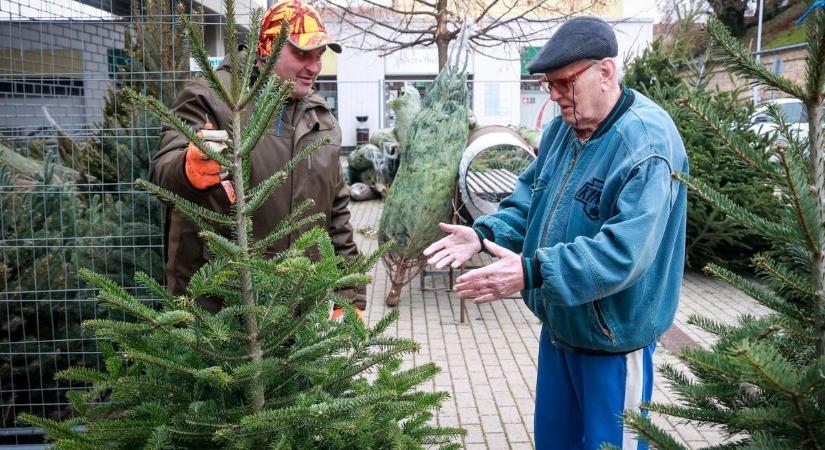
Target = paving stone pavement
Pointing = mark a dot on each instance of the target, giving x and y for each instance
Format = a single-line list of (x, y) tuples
[(489, 362)]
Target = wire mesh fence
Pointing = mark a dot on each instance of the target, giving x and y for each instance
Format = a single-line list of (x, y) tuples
[(70, 151)]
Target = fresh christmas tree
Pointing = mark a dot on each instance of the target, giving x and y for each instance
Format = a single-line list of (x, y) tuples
[(762, 381), (270, 370)]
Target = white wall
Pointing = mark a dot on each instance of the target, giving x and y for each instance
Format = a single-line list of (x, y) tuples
[(359, 91), (497, 88)]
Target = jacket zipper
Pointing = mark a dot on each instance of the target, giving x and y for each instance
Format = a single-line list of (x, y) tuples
[(564, 182), (602, 323)]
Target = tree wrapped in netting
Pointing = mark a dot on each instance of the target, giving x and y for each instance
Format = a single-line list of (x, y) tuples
[(423, 189), (762, 381), (269, 370)]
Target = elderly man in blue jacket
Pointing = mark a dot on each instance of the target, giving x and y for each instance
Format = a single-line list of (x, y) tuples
[(593, 237)]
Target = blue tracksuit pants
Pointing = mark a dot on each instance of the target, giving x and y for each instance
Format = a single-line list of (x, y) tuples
[(580, 397)]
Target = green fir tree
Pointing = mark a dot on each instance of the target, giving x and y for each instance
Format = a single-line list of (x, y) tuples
[(270, 370), (763, 381)]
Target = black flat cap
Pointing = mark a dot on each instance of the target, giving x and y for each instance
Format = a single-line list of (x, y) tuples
[(577, 39)]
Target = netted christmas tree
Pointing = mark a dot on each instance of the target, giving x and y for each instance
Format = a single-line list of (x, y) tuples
[(269, 370), (422, 192), (762, 381)]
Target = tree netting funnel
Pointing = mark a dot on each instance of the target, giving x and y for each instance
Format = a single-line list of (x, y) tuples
[(494, 158)]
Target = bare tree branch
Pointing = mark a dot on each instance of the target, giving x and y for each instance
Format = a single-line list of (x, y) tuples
[(402, 24)]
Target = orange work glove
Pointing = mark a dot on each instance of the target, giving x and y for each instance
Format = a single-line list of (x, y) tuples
[(337, 313), (201, 171)]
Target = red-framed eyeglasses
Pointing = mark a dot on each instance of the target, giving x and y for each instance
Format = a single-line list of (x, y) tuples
[(562, 85)]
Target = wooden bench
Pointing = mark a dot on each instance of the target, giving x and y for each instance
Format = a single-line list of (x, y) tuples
[(492, 185)]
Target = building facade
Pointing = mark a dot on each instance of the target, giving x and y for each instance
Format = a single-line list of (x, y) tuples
[(502, 92)]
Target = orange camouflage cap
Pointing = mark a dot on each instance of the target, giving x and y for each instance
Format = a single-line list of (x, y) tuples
[(306, 30)]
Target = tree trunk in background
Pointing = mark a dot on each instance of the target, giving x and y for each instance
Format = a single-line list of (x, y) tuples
[(732, 14)]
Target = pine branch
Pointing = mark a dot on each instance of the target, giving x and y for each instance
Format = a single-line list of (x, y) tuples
[(232, 43), (384, 322), (206, 277), (711, 326), (797, 182), (144, 383), (214, 376), (375, 360), (760, 418), (219, 245), (263, 191), (171, 319), (114, 295), (269, 105), (266, 367), (731, 138), (59, 430), (406, 380), (812, 379), (769, 369), (111, 329), (758, 293), (741, 62), (363, 263), (82, 375), (322, 348), (776, 372), (352, 280), (251, 50), (700, 416), (785, 275), (197, 213), (815, 64), (268, 65), (290, 224), (274, 419), (196, 45), (741, 215), (76, 399), (644, 429), (169, 117), (158, 292), (161, 439)]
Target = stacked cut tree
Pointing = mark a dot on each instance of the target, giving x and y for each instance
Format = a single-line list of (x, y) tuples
[(371, 167)]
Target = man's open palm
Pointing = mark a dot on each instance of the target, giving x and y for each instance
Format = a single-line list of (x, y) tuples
[(454, 249)]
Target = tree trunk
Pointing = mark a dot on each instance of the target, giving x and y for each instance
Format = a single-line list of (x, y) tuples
[(443, 47), (250, 318), (442, 38), (817, 159)]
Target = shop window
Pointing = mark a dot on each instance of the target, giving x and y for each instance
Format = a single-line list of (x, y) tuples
[(42, 86)]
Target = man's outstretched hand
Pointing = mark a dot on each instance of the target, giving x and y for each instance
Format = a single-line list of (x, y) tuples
[(455, 249), (498, 280)]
